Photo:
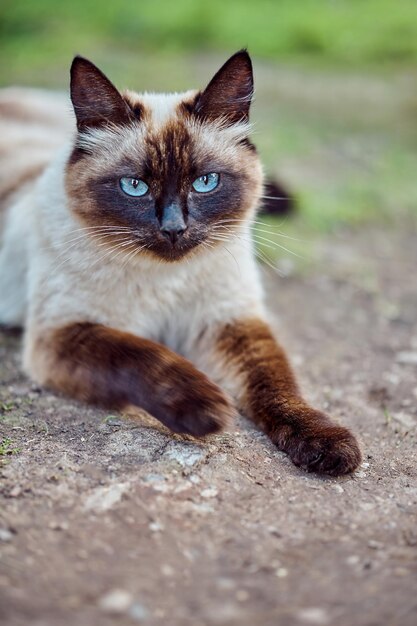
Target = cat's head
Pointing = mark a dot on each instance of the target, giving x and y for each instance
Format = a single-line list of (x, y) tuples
[(163, 174)]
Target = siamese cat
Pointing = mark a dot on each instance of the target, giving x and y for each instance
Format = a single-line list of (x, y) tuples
[(126, 253)]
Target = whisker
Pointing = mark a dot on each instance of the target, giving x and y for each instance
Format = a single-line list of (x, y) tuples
[(260, 230), (224, 249), (129, 254), (252, 238), (73, 245), (249, 221), (275, 197), (231, 254), (89, 236), (269, 232), (105, 256), (260, 241), (100, 228), (271, 241), (257, 253)]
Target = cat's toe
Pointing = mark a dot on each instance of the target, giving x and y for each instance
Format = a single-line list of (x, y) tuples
[(333, 451)]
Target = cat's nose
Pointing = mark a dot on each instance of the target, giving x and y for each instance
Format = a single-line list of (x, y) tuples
[(173, 232), (173, 224)]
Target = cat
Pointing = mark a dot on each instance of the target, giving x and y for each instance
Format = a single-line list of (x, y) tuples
[(127, 256)]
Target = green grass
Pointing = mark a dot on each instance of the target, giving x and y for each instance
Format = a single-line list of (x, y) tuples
[(6, 447), (6, 406), (341, 33)]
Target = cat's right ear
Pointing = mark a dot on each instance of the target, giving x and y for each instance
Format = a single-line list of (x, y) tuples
[(228, 95), (95, 99)]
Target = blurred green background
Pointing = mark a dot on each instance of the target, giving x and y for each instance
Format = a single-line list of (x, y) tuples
[(336, 83)]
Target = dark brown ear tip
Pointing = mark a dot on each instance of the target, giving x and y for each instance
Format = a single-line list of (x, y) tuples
[(242, 53), (80, 63), (243, 58), (79, 60)]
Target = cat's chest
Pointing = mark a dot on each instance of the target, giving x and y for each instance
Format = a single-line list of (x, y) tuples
[(163, 305)]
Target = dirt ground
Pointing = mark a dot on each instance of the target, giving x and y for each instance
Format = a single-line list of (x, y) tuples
[(107, 520)]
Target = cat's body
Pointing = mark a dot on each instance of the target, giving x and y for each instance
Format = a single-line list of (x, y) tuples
[(34, 124), (114, 289)]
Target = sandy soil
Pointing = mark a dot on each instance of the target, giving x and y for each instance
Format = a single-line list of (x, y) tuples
[(107, 520)]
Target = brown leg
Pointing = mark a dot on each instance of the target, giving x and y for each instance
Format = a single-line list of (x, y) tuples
[(270, 396), (114, 369)]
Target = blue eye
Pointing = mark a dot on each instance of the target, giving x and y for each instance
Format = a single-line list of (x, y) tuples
[(205, 183), (133, 186)]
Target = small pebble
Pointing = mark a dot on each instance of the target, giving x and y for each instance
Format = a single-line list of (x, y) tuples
[(281, 572), (5, 534), (407, 358), (103, 498), (185, 455), (138, 612), (360, 474), (156, 527), (211, 492), (313, 615), (225, 583), (54, 525), (352, 560), (116, 601)]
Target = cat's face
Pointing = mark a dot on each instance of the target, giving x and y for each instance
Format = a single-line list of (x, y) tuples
[(163, 174)]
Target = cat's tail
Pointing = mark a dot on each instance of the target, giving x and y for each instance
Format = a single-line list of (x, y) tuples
[(277, 200)]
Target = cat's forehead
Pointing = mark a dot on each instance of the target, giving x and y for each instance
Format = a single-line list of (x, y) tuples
[(159, 108), (164, 128)]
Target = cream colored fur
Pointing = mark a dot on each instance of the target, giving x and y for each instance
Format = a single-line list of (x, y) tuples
[(52, 273)]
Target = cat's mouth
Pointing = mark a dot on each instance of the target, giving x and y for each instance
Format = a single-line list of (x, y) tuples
[(175, 249), (168, 249)]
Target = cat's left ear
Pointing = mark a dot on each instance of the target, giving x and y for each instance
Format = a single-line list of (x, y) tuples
[(229, 94), (95, 99)]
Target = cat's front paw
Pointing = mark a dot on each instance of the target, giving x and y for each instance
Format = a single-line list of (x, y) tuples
[(198, 407), (316, 444), (331, 450)]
